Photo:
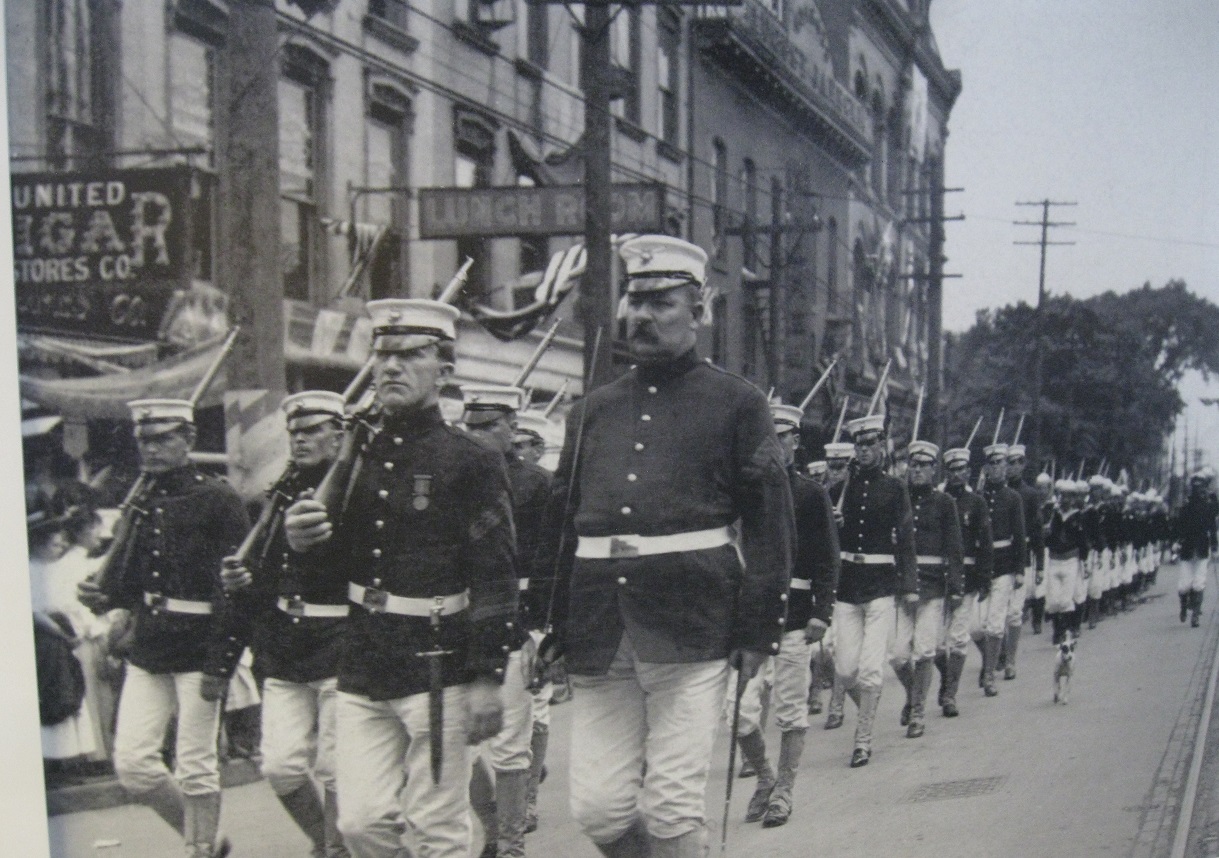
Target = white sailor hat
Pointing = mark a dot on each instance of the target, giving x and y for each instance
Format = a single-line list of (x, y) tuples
[(158, 416), (995, 451), (311, 407), (1096, 481), (487, 402), (655, 262), (1044, 479), (1063, 486), (533, 425), (406, 324), (1015, 451), (955, 455), (816, 469), (924, 451), (785, 417), (839, 451), (1079, 487), (861, 426)]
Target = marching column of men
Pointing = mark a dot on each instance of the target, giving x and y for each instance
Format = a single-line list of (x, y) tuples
[(410, 584)]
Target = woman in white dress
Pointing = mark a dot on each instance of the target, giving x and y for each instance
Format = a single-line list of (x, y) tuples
[(53, 598)]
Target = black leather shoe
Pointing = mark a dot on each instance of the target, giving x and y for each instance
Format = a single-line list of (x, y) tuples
[(950, 709), (905, 719), (860, 757), (915, 730), (833, 722)]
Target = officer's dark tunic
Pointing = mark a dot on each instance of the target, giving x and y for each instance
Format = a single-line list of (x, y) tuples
[(430, 515), (1196, 528), (1034, 536), (191, 523), (286, 644), (974, 517), (877, 521), (1007, 528), (937, 534), (667, 449), (817, 554)]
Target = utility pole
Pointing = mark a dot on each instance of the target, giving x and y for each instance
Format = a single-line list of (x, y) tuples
[(1045, 223), (248, 148), (935, 277)]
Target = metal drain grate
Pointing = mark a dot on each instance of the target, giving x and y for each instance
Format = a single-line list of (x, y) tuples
[(955, 789)]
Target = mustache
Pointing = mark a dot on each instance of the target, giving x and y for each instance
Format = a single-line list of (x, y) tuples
[(643, 332)]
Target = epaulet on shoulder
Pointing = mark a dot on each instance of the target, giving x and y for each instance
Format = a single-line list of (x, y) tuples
[(707, 363)]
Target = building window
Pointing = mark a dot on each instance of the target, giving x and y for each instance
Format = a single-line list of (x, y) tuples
[(301, 154), (473, 165), (749, 179), (392, 12), (668, 49), (719, 187), (626, 54), (389, 112), (719, 335), (192, 93), (537, 34), (73, 116)]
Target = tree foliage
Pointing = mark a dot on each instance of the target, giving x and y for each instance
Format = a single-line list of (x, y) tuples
[(1110, 369)]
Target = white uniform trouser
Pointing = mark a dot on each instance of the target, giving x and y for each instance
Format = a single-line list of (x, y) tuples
[(382, 743), (954, 635), (1113, 575), (1192, 575), (147, 703), (990, 616), (1061, 576), (298, 732), (510, 749), (1128, 564), (789, 674), (1080, 594), (1015, 599), (662, 717), (918, 630), (861, 641), (1098, 565)]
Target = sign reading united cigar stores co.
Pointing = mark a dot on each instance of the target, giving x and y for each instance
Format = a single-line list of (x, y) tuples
[(99, 253)]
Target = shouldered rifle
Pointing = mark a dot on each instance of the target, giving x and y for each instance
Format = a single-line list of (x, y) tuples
[(333, 490), (118, 554), (258, 540)]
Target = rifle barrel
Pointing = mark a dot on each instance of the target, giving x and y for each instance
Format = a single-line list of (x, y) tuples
[(206, 381)]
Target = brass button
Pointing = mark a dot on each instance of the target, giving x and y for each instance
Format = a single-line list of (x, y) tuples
[(638, 445), (398, 440), (622, 580), (378, 524), (389, 466), (383, 493), (376, 582), (631, 478), (626, 510), (376, 552), (645, 417), (652, 389)]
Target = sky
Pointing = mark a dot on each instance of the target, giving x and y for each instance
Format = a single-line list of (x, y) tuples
[(1110, 104)]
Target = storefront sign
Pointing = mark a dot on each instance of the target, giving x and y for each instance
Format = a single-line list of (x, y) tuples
[(548, 210), (99, 253)]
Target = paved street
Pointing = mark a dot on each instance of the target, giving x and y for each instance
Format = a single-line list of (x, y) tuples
[(1014, 775)]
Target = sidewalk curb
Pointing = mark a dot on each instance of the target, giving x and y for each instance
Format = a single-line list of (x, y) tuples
[(105, 793)]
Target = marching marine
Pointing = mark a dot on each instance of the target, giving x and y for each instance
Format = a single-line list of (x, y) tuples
[(179, 661), (1196, 533), (490, 415), (941, 583), (973, 513), (656, 602), (1034, 565), (1007, 575), (878, 567), (809, 611), (426, 544), (296, 605), (1067, 547)]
